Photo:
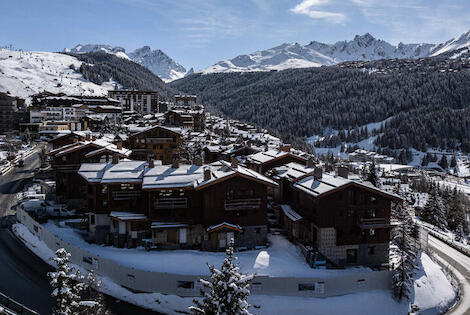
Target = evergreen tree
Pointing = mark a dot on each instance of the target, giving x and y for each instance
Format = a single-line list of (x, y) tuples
[(456, 218), (425, 160), (227, 290), (66, 291), (453, 161), (443, 162), (434, 211), (371, 175), (92, 299), (404, 252)]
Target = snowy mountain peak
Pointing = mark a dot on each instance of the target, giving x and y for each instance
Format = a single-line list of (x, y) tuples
[(314, 54), (156, 61)]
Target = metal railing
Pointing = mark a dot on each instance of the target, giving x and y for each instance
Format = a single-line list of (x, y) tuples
[(171, 203), (13, 307)]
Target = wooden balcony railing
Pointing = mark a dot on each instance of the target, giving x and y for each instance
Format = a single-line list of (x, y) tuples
[(242, 204), (126, 195), (171, 203), (373, 222)]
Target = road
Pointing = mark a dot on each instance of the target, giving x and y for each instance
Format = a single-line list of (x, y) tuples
[(23, 276), (461, 264)]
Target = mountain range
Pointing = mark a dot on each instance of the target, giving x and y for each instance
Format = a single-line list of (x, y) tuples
[(156, 61), (362, 47)]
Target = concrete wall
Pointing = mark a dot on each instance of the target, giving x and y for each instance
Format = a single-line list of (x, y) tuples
[(145, 281)]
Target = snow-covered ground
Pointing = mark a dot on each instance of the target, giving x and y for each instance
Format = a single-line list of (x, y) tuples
[(432, 291), (27, 73), (281, 259)]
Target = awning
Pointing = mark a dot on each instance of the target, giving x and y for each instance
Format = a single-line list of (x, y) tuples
[(127, 216)]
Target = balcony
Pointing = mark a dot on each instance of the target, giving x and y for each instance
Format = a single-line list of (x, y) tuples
[(170, 203), (374, 223), (126, 195), (242, 204)]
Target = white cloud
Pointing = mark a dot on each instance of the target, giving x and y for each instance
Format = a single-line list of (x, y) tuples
[(310, 9)]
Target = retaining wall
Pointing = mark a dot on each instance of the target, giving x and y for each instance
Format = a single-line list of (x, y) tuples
[(188, 285)]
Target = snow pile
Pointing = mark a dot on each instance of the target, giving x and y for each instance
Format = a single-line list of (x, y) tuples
[(281, 259), (432, 290), (26, 73)]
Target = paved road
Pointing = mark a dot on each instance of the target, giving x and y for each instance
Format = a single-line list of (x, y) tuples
[(23, 276), (461, 263)]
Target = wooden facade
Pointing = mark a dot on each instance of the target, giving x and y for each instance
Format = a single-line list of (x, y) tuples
[(158, 143)]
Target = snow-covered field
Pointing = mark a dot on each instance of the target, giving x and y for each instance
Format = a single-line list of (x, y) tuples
[(282, 258), (432, 291), (27, 73)]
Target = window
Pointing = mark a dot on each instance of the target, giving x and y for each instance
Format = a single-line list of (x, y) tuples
[(371, 250), (306, 286), (185, 285), (258, 230), (127, 186), (371, 232), (350, 212), (92, 219)]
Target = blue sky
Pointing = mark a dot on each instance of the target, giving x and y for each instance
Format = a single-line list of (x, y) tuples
[(200, 33)]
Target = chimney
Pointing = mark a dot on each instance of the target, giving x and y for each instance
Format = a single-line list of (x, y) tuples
[(318, 173), (284, 147), (343, 171), (75, 140), (310, 163), (119, 145), (151, 163), (207, 174), (175, 164), (234, 162), (93, 138), (115, 159), (198, 161), (88, 137)]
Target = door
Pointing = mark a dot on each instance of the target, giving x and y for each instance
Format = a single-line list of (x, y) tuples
[(230, 237), (351, 256), (222, 239), (182, 236)]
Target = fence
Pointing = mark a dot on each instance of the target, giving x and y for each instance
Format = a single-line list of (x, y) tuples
[(14, 307), (188, 285)]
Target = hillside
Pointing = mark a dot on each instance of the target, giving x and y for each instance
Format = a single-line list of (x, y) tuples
[(26, 73), (421, 95), (99, 67)]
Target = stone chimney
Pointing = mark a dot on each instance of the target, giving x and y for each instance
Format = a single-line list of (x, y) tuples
[(318, 173), (175, 164), (119, 145), (342, 171), (207, 174), (198, 162), (234, 162), (75, 140), (88, 137), (151, 163), (115, 159), (310, 163), (284, 147)]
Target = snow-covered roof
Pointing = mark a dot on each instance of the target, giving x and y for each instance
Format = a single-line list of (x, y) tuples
[(124, 171), (161, 225), (290, 213), (328, 183), (292, 170), (127, 216), (224, 225), (165, 176)]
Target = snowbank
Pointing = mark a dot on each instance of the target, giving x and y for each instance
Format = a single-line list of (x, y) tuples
[(433, 292), (282, 258)]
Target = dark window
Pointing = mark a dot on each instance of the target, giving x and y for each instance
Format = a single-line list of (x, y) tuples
[(306, 286), (92, 219), (258, 230), (371, 250), (87, 259), (185, 284)]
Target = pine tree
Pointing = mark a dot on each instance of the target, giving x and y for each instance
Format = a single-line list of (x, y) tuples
[(92, 299), (404, 252), (371, 175), (66, 291), (456, 218), (443, 162), (453, 161), (434, 211), (226, 291)]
